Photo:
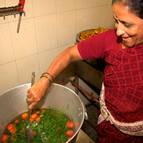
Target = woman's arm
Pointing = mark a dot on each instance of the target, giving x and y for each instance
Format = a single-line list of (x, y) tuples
[(38, 90)]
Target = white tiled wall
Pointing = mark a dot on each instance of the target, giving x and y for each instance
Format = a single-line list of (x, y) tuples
[(48, 27), (46, 32)]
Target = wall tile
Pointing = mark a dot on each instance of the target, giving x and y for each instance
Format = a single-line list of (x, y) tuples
[(46, 32), (86, 18), (102, 2), (26, 66), (7, 53), (9, 18), (66, 28), (24, 42), (2, 20), (28, 8), (44, 7), (46, 58), (8, 76), (2, 3), (10, 3), (105, 18), (91, 3), (90, 18), (65, 5)]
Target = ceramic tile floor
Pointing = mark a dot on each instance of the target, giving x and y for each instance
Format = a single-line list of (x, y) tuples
[(83, 138)]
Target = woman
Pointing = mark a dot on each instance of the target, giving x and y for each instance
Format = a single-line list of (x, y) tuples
[(121, 119)]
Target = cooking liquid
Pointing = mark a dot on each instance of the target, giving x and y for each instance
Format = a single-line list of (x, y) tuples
[(48, 125)]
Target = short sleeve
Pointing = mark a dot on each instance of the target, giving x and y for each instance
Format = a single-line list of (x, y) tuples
[(95, 46)]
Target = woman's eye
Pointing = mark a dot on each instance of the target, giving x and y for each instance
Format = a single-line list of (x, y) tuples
[(128, 25), (116, 21)]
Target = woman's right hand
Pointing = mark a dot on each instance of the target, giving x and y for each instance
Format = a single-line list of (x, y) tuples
[(37, 91)]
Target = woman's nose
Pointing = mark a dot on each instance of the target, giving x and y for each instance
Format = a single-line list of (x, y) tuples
[(119, 29), (120, 32)]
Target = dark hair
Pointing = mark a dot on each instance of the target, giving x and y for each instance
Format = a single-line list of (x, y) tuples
[(135, 6)]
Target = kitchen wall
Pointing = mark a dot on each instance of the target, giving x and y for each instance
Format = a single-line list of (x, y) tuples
[(48, 27)]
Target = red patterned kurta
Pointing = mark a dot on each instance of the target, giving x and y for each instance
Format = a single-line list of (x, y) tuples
[(123, 75)]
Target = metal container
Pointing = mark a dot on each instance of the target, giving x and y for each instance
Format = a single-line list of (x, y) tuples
[(13, 103)]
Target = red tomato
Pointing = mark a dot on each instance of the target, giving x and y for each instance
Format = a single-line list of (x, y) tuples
[(70, 124), (12, 131), (69, 133), (11, 128), (16, 121), (31, 120), (24, 116), (34, 116), (4, 138), (37, 119)]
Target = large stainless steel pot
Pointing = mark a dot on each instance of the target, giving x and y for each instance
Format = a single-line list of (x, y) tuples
[(13, 103)]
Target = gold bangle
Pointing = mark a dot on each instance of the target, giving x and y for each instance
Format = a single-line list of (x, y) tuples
[(48, 76)]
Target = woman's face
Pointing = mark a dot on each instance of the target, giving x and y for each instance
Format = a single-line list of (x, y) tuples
[(129, 26)]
